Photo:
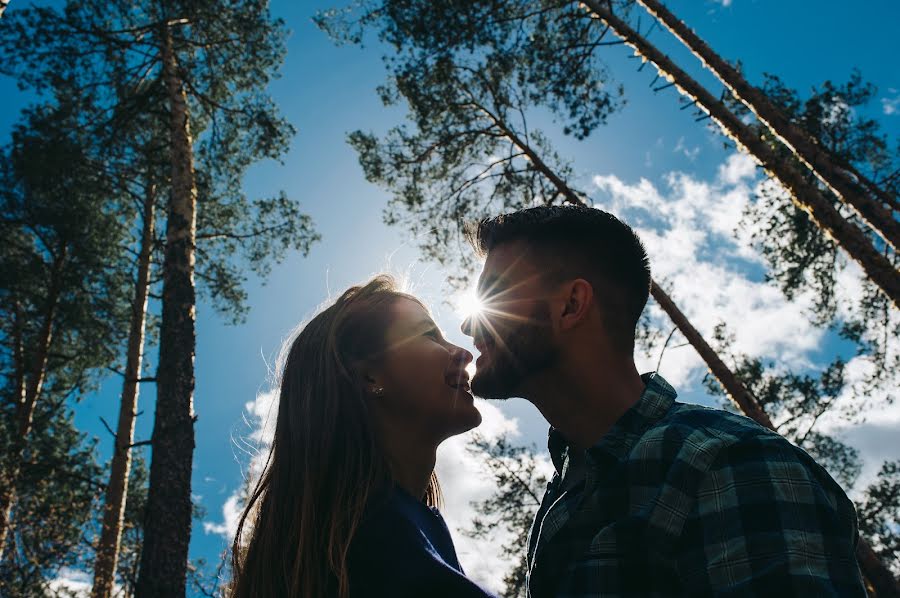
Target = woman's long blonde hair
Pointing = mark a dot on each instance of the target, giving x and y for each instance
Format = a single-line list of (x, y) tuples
[(325, 460)]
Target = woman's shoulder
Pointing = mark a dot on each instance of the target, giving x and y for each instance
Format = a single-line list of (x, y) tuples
[(395, 523), (403, 548)]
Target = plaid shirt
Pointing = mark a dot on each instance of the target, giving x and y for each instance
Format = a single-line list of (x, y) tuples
[(683, 500)]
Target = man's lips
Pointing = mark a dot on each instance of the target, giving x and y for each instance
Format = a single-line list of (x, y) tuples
[(484, 348)]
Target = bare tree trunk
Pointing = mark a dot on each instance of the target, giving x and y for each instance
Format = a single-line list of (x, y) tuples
[(872, 567), (806, 148), (167, 529), (29, 390), (805, 194), (117, 488)]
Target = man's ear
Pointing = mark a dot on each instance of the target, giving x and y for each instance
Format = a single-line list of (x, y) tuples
[(578, 297)]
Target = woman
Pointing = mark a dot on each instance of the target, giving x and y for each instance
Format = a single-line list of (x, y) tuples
[(346, 505)]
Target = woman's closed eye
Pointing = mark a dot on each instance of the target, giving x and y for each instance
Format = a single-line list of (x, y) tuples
[(434, 333)]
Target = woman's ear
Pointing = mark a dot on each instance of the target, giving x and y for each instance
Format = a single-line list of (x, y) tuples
[(578, 298), (372, 386)]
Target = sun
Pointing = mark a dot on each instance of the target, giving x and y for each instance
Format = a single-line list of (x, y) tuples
[(468, 304)]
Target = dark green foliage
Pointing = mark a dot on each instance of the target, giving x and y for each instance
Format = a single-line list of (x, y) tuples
[(62, 255), (103, 59), (62, 264), (511, 508), (554, 44), (460, 161), (879, 514), (800, 257), (470, 75), (227, 52), (58, 487)]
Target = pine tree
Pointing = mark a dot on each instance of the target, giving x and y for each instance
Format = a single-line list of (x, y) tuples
[(799, 256), (63, 288), (871, 202), (212, 61)]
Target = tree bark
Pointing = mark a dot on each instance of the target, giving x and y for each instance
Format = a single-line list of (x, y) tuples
[(806, 148), (29, 391), (167, 529), (872, 567), (120, 466), (805, 194)]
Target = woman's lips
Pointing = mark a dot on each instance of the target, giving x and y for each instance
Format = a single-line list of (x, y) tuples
[(458, 380)]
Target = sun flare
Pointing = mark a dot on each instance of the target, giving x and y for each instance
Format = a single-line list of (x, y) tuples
[(468, 304)]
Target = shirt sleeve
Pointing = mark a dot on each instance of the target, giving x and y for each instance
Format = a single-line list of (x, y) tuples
[(768, 520)]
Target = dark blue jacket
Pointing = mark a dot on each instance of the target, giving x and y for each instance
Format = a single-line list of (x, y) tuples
[(403, 549)]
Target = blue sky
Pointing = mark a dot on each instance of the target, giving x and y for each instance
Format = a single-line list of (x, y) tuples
[(327, 91)]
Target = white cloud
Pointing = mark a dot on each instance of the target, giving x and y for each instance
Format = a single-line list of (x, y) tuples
[(71, 582), (690, 153), (891, 105), (689, 231), (260, 415), (738, 168)]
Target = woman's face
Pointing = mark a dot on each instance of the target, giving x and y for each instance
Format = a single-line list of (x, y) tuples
[(426, 386)]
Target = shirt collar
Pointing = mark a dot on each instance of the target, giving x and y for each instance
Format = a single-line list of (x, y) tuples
[(655, 402)]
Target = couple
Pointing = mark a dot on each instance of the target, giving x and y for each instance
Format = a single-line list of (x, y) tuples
[(650, 496)]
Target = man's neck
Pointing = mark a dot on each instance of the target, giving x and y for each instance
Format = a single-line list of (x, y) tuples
[(585, 396)]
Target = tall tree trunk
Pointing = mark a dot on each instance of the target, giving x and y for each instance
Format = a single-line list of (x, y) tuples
[(117, 488), (875, 571), (167, 528), (29, 391), (807, 149), (804, 193)]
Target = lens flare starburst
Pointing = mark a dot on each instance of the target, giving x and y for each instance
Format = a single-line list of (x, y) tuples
[(468, 305)]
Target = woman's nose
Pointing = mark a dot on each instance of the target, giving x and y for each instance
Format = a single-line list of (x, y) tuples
[(462, 355)]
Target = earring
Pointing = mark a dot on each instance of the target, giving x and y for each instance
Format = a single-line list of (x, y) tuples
[(378, 391)]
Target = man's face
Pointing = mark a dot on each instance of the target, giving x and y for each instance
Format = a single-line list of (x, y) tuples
[(514, 331)]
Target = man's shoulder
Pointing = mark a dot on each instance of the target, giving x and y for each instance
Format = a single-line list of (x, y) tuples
[(699, 435)]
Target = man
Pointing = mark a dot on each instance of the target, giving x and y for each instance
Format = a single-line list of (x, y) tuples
[(650, 496)]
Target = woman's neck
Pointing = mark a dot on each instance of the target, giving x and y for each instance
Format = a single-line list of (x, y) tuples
[(411, 465)]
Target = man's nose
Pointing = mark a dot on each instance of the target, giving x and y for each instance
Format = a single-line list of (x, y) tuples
[(467, 326)]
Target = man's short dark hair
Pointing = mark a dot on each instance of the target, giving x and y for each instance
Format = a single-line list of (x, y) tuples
[(579, 242)]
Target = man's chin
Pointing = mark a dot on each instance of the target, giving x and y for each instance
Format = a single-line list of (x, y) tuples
[(490, 389)]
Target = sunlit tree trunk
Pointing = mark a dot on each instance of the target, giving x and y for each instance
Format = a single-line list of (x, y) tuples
[(30, 384), (167, 529), (120, 466), (807, 149), (804, 193)]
